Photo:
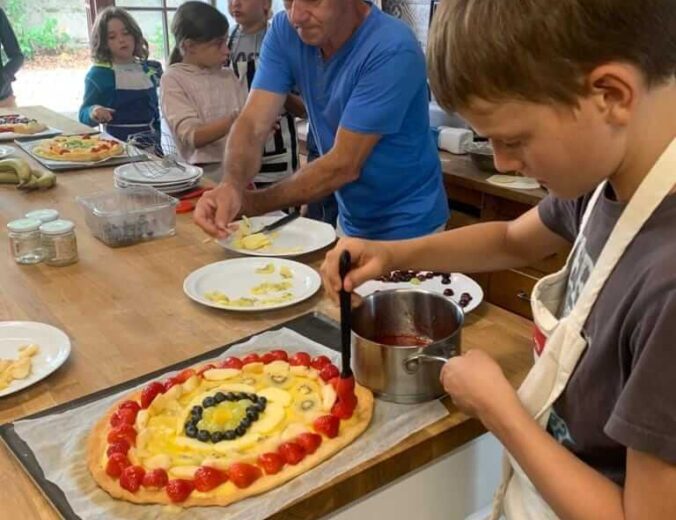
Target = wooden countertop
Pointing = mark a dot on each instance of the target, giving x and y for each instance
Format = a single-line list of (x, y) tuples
[(126, 315)]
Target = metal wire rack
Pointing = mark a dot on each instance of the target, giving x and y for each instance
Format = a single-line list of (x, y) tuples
[(159, 151)]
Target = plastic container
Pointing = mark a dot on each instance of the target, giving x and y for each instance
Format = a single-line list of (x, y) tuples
[(43, 215), (126, 216), (60, 245), (25, 241)]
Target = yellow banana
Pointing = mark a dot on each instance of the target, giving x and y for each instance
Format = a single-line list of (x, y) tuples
[(40, 179), (21, 167), (9, 177)]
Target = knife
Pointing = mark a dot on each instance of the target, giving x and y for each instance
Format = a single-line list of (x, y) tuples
[(278, 223)]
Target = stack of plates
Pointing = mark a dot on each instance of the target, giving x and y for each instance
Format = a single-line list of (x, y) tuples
[(167, 180)]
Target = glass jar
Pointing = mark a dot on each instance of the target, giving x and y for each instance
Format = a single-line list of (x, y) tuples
[(43, 215), (25, 241), (58, 239)]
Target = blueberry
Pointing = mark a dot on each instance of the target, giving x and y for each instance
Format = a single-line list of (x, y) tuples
[(445, 281), (252, 397), (252, 415), (219, 397), (246, 422), (240, 396), (262, 400), (229, 435), (191, 430), (208, 401), (259, 407), (203, 435), (196, 411), (230, 397), (240, 430), (217, 436), (448, 292), (466, 296)]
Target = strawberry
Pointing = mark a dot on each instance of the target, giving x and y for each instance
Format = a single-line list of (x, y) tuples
[(328, 372), (268, 358), (300, 359), (327, 425), (179, 489), (344, 408), (309, 441), (184, 375), (344, 386), (279, 355), (251, 358), (123, 416), (150, 392), (155, 478), (319, 362), (172, 381), (243, 475), (231, 362), (207, 478), (131, 405), (271, 462), (131, 478), (122, 432), (292, 452), (116, 464), (121, 446)]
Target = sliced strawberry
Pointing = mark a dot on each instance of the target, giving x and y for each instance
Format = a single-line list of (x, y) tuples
[(123, 416), (231, 362), (207, 478), (251, 358), (130, 405), (268, 358), (271, 462), (131, 478), (345, 386), (116, 464), (344, 408), (279, 355), (327, 425), (169, 383), (121, 446), (243, 475), (123, 432), (300, 359), (179, 489), (320, 362), (155, 478), (184, 375), (150, 392), (309, 441), (292, 452), (205, 368), (328, 372)]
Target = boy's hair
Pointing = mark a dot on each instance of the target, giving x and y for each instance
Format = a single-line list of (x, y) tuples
[(99, 44), (542, 50), (196, 21)]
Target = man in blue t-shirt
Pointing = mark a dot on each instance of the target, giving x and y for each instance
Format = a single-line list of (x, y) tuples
[(362, 76)]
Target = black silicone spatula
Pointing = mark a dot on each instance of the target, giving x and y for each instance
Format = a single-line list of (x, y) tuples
[(345, 315)]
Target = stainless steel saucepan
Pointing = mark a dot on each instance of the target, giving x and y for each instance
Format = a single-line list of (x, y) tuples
[(400, 340)]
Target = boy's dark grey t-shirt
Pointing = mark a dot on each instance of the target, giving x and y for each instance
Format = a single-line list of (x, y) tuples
[(622, 393)]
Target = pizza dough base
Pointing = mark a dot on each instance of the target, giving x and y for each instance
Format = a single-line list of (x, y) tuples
[(81, 156), (227, 493)]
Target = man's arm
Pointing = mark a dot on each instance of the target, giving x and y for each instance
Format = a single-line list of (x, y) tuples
[(247, 138), (340, 166)]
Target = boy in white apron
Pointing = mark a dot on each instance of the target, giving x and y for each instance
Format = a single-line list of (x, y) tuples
[(581, 95)]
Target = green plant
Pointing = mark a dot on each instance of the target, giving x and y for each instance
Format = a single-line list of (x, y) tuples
[(44, 38)]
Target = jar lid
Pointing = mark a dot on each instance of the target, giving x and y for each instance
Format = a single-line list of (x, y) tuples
[(23, 225), (57, 227), (43, 215)]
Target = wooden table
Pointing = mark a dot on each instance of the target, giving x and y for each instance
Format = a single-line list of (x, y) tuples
[(126, 314)]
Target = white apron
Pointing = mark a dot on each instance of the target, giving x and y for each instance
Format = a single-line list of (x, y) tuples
[(516, 497)]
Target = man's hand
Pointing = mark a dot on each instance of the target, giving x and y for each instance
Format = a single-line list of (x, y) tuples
[(101, 114), (217, 208), (478, 386)]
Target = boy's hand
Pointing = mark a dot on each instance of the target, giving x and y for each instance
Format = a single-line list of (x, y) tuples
[(369, 260), (216, 209), (102, 114), (478, 387)]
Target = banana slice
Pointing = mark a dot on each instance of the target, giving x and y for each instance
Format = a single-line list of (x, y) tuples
[(277, 368), (185, 472), (221, 374), (276, 396), (160, 460), (272, 416)]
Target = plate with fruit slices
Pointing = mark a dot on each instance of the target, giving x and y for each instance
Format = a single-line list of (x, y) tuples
[(460, 288), (218, 432)]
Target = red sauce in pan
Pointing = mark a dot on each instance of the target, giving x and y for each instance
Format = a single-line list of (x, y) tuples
[(403, 340)]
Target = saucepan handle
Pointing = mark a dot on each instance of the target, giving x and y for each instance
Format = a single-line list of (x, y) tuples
[(411, 362)]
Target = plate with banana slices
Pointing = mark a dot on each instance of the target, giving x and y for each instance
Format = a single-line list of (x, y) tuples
[(29, 352)]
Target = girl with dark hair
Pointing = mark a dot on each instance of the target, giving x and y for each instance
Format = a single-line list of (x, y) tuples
[(121, 86), (200, 98)]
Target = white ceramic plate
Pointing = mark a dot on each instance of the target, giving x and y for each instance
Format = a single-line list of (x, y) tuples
[(299, 237), (10, 136), (54, 349), (235, 278), (460, 283), (134, 173), (5, 151)]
